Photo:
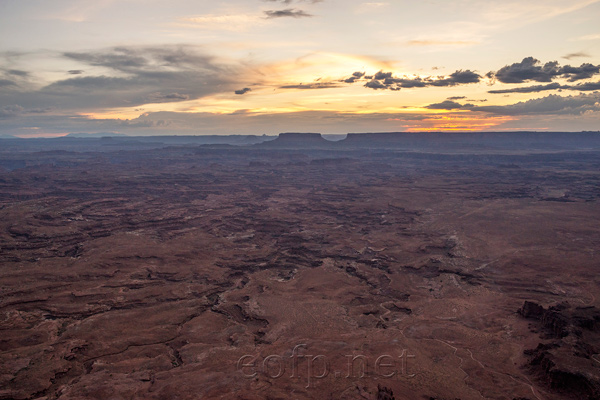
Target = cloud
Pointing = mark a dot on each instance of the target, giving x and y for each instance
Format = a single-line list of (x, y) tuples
[(457, 78), (457, 97), (582, 87), (133, 76), (587, 86), (528, 89), (165, 98), (121, 59), (144, 59), (229, 22), (585, 71), (75, 71), (39, 110), (355, 76), (288, 12), (128, 77), (576, 55), (252, 122), (551, 104), (527, 70), (589, 37), (407, 83), (448, 105), (530, 69), (440, 42), (7, 82), (370, 7), (382, 75), (18, 72), (13, 78), (11, 111), (291, 1), (95, 83), (386, 80), (243, 91), (375, 84), (315, 85)]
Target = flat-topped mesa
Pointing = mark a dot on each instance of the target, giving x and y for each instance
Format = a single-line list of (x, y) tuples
[(425, 141), (298, 140), (419, 141), (380, 139)]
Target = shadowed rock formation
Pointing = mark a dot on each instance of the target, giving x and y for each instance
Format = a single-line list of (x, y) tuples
[(293, 140), (566, 362), (384, 393)]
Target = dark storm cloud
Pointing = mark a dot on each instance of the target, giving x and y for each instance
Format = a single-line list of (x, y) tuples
[(243, 91), (75, 72), (386, 80), (288, 12), (531, 69), (448, 105), (551, 104)]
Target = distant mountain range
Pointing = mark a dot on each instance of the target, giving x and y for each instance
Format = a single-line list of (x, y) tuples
[(455, 142), (442, 141), (95, 135)]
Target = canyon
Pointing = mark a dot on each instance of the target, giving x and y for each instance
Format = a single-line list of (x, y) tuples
[(401, 266)]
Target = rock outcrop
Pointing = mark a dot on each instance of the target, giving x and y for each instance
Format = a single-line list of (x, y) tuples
[(566, 363), (298, 140), (383, 393)]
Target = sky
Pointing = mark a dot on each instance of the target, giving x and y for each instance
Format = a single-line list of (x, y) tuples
[(187, 67)]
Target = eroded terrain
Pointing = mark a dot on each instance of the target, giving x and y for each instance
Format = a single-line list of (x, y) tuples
[(175, 273)]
